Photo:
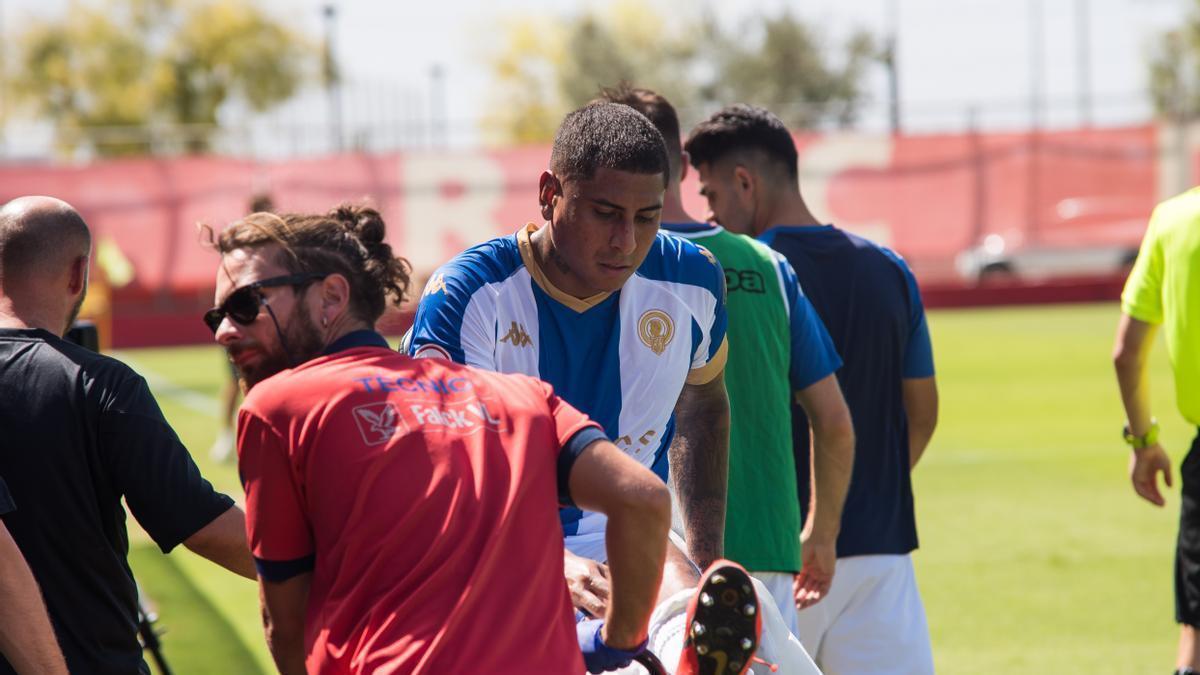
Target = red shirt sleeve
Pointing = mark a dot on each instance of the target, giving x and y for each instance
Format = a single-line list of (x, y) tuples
[(277, 525), (567, 420), (574, 431)]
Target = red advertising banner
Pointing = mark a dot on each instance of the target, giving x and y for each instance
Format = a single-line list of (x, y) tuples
[(1035, 205)]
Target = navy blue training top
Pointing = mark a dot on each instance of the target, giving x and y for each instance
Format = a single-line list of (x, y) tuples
[(869, 301)]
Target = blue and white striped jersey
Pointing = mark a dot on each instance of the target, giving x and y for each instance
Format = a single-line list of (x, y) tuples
[(622, 358)]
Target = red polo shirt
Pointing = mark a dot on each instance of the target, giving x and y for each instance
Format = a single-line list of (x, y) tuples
[(422, 495)]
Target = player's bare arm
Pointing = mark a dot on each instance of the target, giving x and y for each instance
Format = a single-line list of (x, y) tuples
[(223, 541), (26, 639), (700, 467), (283, 604), (921, 408), (638, 507), (1134, 341), (833, 463)]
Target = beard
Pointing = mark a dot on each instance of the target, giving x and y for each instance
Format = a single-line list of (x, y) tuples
[(75, 310), (303, 340)]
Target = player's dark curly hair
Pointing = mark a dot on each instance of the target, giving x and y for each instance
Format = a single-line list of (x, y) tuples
[(348, 240), (657, 109), (609, 136), (738, 129)]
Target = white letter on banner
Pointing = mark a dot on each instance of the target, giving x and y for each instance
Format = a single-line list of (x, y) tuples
[(821, 162), (450, 201)]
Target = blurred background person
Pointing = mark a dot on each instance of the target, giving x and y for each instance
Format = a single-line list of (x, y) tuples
[(1163, 291), (873, 620)]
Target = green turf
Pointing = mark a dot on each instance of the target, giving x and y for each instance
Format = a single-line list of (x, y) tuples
[(1036, 555), (198, 638)]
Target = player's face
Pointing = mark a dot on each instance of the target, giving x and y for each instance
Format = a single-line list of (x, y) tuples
[(730, 203), (259, 347), (601, 228)]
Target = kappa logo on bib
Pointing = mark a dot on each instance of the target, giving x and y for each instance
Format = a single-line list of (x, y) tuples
[(655, 329)]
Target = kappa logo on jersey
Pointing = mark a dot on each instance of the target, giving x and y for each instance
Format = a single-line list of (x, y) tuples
[(516, 336), (436, 285), (468, 416), (655, 329), (378, 422), (707, 254)]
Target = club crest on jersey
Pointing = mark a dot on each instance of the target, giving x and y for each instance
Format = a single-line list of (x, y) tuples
[(655, 329), (378, 422)]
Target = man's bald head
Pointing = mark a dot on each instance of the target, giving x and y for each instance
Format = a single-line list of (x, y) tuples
[(39, 236)]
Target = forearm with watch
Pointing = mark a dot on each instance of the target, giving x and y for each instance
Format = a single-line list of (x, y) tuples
[(1143, 440)]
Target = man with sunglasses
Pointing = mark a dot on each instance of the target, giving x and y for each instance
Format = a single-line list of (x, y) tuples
[(81, 432), (403, 513)]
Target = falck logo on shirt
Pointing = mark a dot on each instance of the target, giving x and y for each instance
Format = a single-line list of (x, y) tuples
[(378, 422)]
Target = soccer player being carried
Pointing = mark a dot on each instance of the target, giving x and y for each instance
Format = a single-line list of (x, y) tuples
[(628, 325), (402, 513), (779, 348)]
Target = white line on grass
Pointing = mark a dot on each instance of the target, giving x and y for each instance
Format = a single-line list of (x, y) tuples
[(162, 385)]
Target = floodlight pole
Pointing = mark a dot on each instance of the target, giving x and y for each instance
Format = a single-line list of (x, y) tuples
[(893, 74), (437, 106), (332, 77), (1084, 56), (1036, 64)]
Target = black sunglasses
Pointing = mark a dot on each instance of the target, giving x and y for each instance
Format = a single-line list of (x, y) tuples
[(242, 304)]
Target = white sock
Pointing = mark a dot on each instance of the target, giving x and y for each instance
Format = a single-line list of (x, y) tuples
[(668, 628)]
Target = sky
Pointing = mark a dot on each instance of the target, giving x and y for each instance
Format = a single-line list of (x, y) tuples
[(953, 54)]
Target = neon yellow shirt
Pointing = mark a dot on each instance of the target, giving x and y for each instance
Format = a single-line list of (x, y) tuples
[(1164, 288)]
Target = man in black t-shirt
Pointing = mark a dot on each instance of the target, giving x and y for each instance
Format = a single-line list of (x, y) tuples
[(79, 432), (26, 638)]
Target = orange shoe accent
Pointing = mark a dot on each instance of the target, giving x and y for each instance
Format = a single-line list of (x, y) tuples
[(724, 624)]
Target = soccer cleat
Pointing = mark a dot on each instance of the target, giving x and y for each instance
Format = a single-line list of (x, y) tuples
[(723, 623)]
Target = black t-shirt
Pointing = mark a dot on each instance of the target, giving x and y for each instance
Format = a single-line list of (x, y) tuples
[(6, 502), (79, 431)]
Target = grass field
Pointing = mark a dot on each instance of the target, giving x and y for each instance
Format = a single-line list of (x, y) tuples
[(1036, 556)]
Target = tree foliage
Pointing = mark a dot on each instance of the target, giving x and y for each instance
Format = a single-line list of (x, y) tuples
[(1174, 67), (113, 64), (545, 69)]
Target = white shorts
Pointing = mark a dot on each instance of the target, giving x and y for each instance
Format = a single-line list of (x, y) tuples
[(780, 586), (872, 621)]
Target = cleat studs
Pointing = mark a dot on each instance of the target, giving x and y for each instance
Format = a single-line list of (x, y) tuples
[(749, 610), (697, 629), (717, 579), (701, 649), (735, 666), (706, 599), (746, 589), (747, 643)]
